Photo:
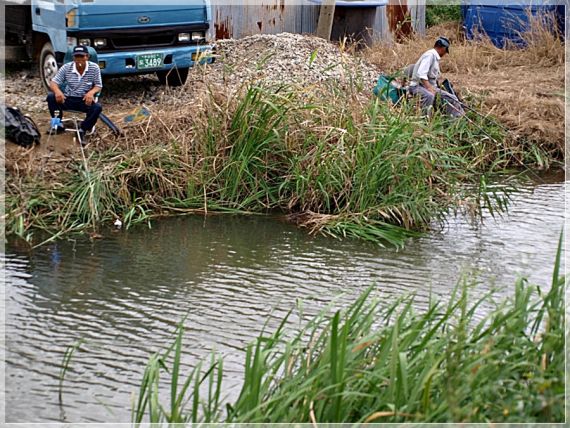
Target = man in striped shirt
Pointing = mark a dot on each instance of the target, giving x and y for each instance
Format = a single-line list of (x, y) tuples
[(82, 81)]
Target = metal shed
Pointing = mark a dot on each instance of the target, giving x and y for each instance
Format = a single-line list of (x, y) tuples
[(370, 20)]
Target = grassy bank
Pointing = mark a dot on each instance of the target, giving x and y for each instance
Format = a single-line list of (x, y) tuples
[(319, 148), (384, 362), (523, 88), (336, 162)]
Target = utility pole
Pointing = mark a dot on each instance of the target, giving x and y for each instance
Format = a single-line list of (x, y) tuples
[(326, 15)]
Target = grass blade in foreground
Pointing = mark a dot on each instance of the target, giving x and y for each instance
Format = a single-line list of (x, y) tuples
[(374, 362)]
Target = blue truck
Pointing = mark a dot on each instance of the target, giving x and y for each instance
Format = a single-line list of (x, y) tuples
[(130, 37)]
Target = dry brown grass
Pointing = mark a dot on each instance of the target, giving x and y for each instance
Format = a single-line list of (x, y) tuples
[(523, 88)]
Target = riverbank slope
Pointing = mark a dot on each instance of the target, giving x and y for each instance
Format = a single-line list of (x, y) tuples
[(283, 122)]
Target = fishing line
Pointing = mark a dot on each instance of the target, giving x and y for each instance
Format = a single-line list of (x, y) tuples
[(88, 173), (492, 139)]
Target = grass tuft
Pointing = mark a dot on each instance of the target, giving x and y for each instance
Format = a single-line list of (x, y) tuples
[(464, 361), (336, 161)]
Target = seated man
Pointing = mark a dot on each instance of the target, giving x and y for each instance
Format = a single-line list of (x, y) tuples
[(82, 80), (424, 80)]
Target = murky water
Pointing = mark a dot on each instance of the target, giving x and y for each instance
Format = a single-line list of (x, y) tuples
[(124, 295)]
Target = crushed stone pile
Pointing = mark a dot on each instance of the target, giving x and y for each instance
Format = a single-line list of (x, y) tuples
[(287, 58), (262, 59)]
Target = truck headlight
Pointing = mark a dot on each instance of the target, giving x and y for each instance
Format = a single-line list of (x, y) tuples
[(100, 43), (85, 42), (198, 36), (72, 41), (183, 37)]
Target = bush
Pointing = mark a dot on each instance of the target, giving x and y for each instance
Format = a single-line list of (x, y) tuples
[(437, 14)]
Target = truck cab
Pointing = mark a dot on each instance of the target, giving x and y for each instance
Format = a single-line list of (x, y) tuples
[(130, 38)]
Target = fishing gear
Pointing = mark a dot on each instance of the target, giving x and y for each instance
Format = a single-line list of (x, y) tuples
[(496, 142), (447, 86), (471, 121)]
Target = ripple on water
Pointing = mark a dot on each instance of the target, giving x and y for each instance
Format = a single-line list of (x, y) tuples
[(124, 295)]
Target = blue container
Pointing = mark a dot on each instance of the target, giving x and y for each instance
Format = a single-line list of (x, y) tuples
[(502, 21), (385, 89)]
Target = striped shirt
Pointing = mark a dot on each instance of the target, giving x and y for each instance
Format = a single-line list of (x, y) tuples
[(75, 84)]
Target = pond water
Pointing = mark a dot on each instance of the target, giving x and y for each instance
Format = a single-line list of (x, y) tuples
[(124, 295)]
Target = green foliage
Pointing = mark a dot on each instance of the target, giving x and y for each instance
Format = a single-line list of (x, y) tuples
[(439, 13), (386, 362), (67, 355), (342, 165)]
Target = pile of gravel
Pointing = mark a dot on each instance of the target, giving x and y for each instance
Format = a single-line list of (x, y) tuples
[(287, 58), (272, 59), (23, 89)]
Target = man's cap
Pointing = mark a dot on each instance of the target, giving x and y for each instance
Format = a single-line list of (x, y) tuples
[(80, 50), (443, 41)]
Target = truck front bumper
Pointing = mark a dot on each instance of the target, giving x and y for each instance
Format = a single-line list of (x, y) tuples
[(121, 63)]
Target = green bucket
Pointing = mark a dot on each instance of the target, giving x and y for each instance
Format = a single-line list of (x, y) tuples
[(385, 90)]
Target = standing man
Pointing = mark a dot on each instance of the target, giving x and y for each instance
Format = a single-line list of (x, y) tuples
[(424, 80), (82, 81)]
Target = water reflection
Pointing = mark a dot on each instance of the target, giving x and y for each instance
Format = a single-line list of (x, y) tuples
[(124, 295)]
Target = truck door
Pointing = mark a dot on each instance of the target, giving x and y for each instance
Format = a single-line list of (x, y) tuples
[(48, 23)]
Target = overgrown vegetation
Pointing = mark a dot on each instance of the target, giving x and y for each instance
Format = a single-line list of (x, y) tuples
[(492, 77), (336, 163), (329, 155), (384, 362)]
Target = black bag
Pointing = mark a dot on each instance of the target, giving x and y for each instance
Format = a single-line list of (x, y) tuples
[(19, 128), (447, 86)]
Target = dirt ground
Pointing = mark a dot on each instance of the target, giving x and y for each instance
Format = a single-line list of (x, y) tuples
[(57, 151)]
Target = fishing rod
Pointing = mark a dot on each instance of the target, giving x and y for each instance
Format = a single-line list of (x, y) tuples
[(493, 121), (471, 121), (493, 139), (446, 84)]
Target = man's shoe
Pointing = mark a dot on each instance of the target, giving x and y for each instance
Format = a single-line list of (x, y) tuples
[(81, 136)]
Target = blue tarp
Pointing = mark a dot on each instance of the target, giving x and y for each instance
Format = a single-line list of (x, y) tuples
[(504, 21)]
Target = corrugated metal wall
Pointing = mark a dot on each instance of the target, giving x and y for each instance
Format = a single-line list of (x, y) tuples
[(233, 19), (418, 9), (391, 21), (236, 19)]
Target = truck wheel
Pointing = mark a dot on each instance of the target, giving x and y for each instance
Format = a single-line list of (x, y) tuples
[(173, 77), (48, 64)]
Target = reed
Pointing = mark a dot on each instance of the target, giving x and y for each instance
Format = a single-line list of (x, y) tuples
[(67, 356), (379, 362), (337, 162)]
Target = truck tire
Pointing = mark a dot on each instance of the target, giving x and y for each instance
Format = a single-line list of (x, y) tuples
[(173, 77), (48, 64)]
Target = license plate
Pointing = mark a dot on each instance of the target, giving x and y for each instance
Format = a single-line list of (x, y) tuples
[(153, 60)]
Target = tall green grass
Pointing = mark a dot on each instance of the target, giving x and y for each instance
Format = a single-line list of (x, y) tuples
[(386, 362), (340, 163)]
